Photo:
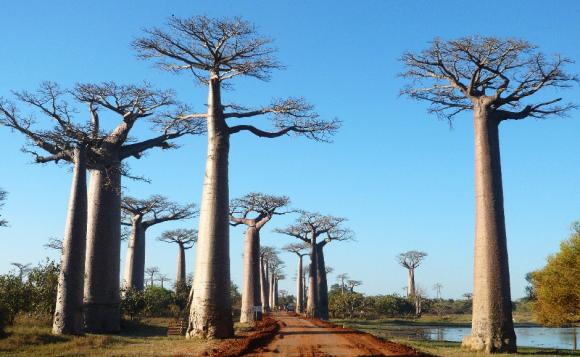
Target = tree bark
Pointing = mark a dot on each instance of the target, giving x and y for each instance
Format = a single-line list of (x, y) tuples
[(101, 296), (275, 295), (135, 258), (272, 291), (299, 288), (492, 325), (211, 310), (68, 315), (322, 284), (265, 287), (410, 282), (312, 303), (251, 285), (180, 279)]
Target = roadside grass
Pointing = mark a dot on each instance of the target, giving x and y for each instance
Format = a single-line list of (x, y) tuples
[(453, 349), (459, 320), (30, 337)]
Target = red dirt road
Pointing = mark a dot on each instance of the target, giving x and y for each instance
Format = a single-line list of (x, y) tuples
[(302, 337)]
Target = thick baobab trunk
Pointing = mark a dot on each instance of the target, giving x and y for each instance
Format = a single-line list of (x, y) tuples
[(211, 310), (492, 326), (134, 276), (272, 291), (312, 303), (275, 295), (68, 315), (251, 284), (410, 282), (180, 279), (322, 285), (101, 297), (265, 287), (299, 288)]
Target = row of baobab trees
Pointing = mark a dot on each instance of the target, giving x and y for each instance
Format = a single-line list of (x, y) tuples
[(492, 77)]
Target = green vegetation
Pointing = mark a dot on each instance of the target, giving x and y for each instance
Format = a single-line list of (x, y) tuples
[(556, 287)]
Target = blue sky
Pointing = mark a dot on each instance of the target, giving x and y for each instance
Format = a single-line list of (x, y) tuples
[(402, 177)]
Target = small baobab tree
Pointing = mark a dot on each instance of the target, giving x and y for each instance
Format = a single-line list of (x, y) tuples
[(496, 79), (437, 287), (253, 210), (185, 239), (308, 227), (105, 153), (54, 243), (410, 260), (301, 250), (353, 284), (22, 270), (141, 215), (151, 273), (3, 222), (342, 279), (216, 51), (162, 278)]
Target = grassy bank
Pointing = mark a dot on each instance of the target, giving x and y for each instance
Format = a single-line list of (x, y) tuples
[(458, 320), (148, 338), (453, 349)]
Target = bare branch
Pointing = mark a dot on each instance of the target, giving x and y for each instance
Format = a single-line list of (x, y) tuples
[(184, 237)]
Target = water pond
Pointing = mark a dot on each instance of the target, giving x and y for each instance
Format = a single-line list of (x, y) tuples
[(541, 337)]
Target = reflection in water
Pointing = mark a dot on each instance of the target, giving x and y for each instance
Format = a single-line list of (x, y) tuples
[(564, 337)]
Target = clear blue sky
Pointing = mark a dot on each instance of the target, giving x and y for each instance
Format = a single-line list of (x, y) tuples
[(402, 177)]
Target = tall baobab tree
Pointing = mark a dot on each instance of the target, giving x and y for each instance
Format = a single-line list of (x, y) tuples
[(495, 78), (216, 51), (411, 260), (3, 222), (274, 267), (342, 279), (253, 210), (335, 234), (185, 239), (151, 273), (266, 254), (105, 156), (308, 228), (23, 269), (141, 215), (301, 250)]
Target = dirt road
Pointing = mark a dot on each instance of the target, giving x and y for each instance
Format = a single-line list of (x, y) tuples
[(302, 337)]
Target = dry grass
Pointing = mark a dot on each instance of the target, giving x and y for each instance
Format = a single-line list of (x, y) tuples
[(33, 338)]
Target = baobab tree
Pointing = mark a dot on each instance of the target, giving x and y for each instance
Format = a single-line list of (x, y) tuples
[(216, 51), (253, 210), (301, 250), (23, 269), (266, 254), (105, 156), (342, 279), (185, 239), (162, 278), (308, 227), (3, 222), (437, 287), (335, 234), (353, 284), (141, 215), (54, 243), (495, 78), (411, 260), (151, 273)]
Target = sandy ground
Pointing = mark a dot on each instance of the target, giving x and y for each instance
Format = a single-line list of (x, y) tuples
[(301, 337)]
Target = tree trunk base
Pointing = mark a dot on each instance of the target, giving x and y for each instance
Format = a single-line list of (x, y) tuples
[(489, 345), (101, 318)]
